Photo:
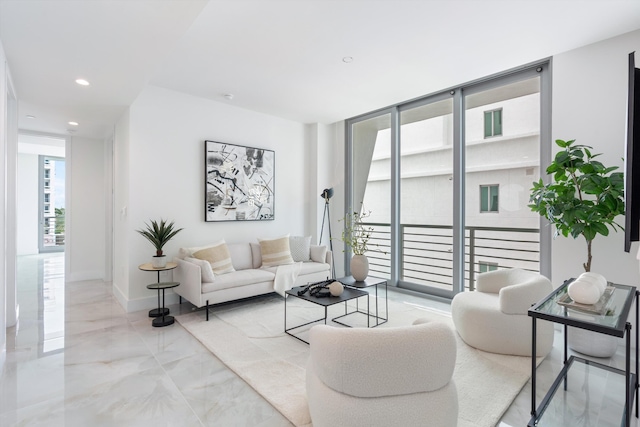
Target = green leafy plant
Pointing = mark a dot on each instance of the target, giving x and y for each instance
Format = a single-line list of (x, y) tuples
[(159, 233), (585, 197)]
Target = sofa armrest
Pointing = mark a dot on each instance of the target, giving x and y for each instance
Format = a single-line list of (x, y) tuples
[(190, 278)]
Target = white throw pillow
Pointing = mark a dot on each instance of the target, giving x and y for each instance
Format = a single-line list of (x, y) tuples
[(206, 272), (275, 251), (318, 254), (218, 256), (188, 252), (300, 248)]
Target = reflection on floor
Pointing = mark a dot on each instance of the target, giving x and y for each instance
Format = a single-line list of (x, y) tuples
[(77, 359)]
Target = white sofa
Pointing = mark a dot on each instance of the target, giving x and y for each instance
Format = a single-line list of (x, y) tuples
[(248, 279), (398, 376)]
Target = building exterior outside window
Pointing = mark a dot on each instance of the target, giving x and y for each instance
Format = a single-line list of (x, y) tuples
[(487, 266), (493, 123), (489, 198)]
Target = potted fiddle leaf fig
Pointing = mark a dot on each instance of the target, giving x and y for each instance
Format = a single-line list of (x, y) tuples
[(584, 198), (159, 233)]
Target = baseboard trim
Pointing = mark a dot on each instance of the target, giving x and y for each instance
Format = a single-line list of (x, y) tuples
[(81, 276), (146, 303)]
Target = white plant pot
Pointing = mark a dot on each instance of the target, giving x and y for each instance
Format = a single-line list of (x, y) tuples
[(592, 343), (359, 267), (159, 261)]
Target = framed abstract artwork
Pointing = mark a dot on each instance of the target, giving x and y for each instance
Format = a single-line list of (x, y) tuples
[(239, 182)]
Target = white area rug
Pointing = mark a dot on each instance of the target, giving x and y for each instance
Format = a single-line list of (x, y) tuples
[(249, 338)]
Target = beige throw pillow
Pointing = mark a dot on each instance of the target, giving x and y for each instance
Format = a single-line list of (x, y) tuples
[(218, 256), (275, 251)]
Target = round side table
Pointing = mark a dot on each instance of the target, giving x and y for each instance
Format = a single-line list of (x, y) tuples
[(164, 319), (157, 312)]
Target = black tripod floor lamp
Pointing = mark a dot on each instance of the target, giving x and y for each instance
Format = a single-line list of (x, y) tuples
[(326, 194)]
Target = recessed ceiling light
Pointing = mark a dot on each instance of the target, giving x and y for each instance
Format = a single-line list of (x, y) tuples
[(347, 59), (229, 96), (82, 82), (29, 116), (73, 123)]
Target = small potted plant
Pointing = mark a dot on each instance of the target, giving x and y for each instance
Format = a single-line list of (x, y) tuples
[(356, 235), (159, 234)]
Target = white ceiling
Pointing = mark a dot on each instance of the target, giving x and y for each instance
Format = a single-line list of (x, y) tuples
[(280, 57)]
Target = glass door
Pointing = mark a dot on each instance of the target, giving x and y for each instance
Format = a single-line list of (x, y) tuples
[(502, 159), (426, 196), (371, 187), (51, 204)]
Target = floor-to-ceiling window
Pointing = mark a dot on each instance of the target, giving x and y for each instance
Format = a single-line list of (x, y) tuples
[(502, 159), (447, 180), (52, 204), (371, 186)]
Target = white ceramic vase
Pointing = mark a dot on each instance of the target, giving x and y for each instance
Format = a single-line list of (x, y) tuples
[(159, 261), (359, 267)]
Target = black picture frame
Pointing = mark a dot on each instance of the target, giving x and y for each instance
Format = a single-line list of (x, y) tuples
[(239, 183)]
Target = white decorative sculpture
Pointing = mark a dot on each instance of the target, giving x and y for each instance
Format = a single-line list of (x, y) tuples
[(595, 278), (336, 288), (584, 291)]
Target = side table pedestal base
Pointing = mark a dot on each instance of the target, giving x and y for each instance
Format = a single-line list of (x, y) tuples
[(163, 321)]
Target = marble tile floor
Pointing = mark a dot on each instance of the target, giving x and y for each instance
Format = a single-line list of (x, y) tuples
[(76, 358)]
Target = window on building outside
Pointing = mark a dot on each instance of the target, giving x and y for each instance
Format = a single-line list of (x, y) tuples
[(487, 266), (47, 173), (46, 208), (493, 123), (46, 183), (489, 198), (47, 197)]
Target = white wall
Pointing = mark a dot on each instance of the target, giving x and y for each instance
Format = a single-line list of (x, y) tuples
[(3, 212), (121, 226), (27, 204), (85, 213), (165, 159), (589, 105)]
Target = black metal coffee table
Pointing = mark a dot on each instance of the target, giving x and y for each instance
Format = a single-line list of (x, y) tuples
[(347, 294), (369, 282)]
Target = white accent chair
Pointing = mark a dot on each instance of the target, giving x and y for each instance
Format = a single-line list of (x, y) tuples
[(494, 317), (382, 377)]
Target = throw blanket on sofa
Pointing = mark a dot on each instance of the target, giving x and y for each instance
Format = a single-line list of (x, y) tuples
[(286, 276)]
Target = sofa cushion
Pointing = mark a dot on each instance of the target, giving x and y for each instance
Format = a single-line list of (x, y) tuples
[(241, 256), (318, 253), (218, 256), (300, 248), (206, 272), (275, 251), (238, 278), (256, 254)]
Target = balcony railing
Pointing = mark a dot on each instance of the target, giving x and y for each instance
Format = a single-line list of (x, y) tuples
[(54, 231), (427, 252)]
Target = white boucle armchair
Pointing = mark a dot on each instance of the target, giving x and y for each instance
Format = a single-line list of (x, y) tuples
[(494, 317), (382, 377)]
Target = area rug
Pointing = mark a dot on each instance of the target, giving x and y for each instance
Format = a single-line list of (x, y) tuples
[(249, 338)]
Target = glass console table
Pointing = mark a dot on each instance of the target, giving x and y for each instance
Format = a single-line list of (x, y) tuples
[(577, 399)]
